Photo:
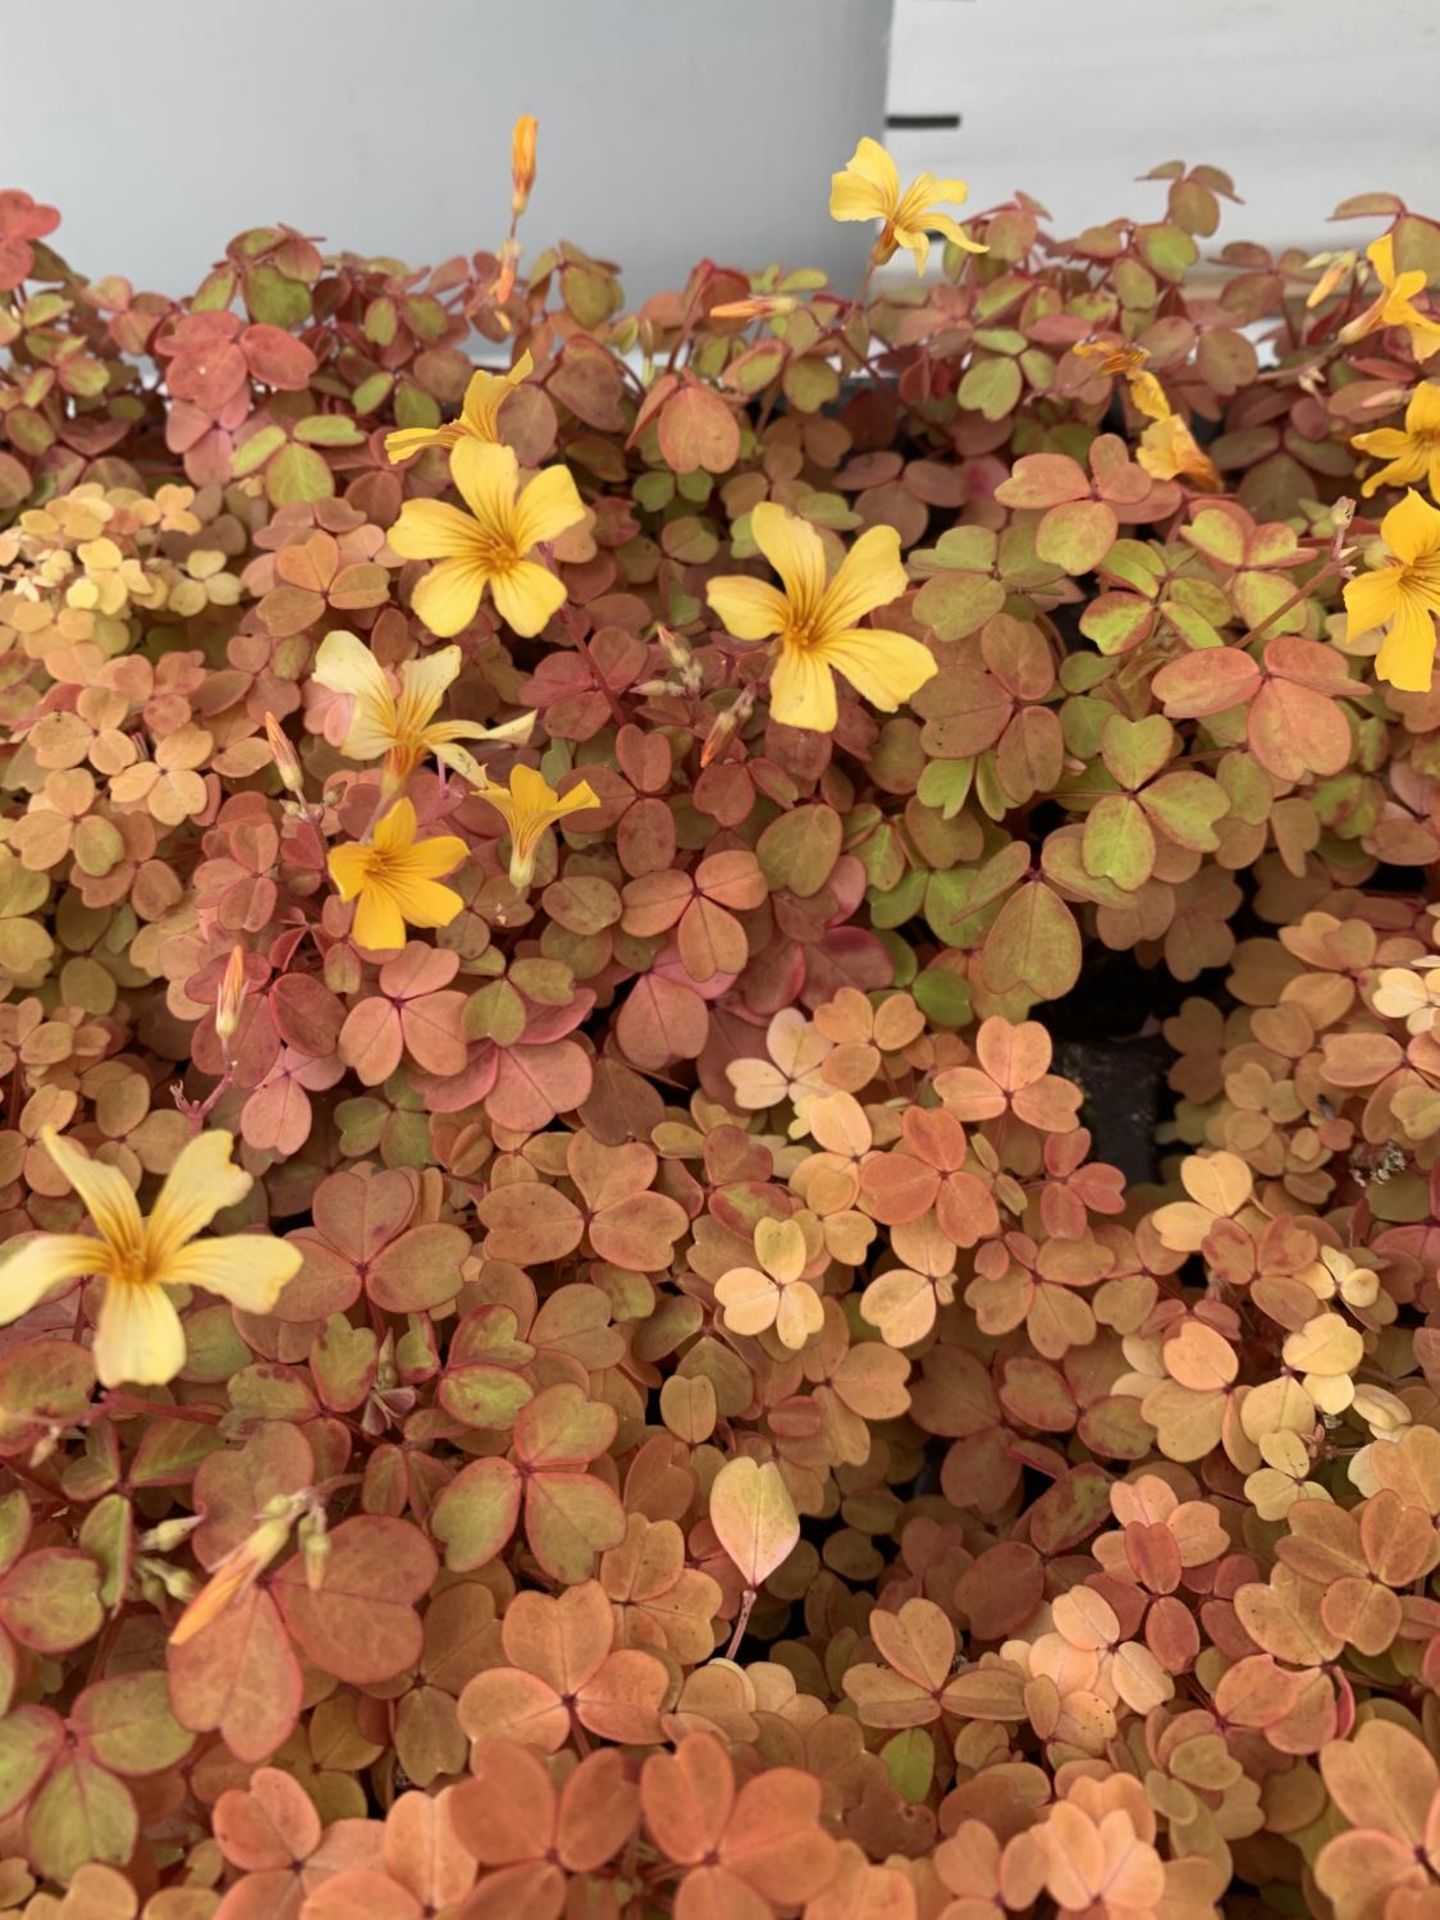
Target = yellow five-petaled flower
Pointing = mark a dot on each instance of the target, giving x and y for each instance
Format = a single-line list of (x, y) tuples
[(403, 729), (818, 625), (1405, 595), (868, 188), (138, 1335), (528, 805), (396, 879), (479, 415), (1394, 305), (490, 545), (1413, 451)]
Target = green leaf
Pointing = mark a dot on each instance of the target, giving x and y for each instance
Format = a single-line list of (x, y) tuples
[(475, 1516), (82, 1813), (1119, 844), (799, 850), (329, 430), (30, 1738), (252, 454), (127, 1724), (298, 474), (910, 1761)]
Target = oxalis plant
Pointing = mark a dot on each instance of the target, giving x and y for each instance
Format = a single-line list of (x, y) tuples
[(586, 1331)]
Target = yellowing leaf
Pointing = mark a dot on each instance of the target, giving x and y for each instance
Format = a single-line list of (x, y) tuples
[(754, 1517)]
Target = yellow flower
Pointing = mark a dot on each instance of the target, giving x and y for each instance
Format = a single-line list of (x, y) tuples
[(138, 1335), (479, 416), (1414, 450), (528, 806), (487, 547), (397, 879), (405, 729), (1394, 306), (869, 189), (1406, 594), (1168, 450), (1129, 363), (818, 625)]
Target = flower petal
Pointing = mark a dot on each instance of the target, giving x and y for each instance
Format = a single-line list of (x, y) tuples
[(408, 441), (395, 831), (750, 609), (349, 869), (487, 475), (802, 691), (432, 859), (952, 230), (448, 598), (870, 181), (1411, 530), (107, 1194), (202, 1182), (379, 924), (885, 667), (1423, 413), (871, 575), (138, 1336), (418, 901), (423, 686), (432, 530), (30, 1268), (527, 595), (345, 664), (247, 1269), (549, 505), (796, 552), (1407, 653)]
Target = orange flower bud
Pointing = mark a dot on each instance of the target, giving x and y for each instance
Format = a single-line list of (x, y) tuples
[(505, 280), (287, 761), (231, 996), (242, 1567), (522, 162)]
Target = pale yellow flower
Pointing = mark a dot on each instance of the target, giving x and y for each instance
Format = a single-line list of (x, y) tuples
[(403, 729), (868, 188), (479, 415), (818, 624), (1394, 306), (1413, 451), (1403, 596), (396, 879), (1168, 450), (138, 1335), (488, 546), (528, 806)]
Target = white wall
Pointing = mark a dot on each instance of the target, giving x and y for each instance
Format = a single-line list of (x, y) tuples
[(1304, 102), (669, 129)]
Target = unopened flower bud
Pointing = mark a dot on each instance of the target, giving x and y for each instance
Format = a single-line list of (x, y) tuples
[(169, 1534), (314, 1549), (522, 162), (727, 725), (287, 761), (231, 997)]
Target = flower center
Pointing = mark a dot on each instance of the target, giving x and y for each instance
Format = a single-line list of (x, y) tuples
[(801, 635), (497, 553)]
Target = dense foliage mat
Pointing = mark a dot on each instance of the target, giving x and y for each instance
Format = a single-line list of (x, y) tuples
[(721, 1068)]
